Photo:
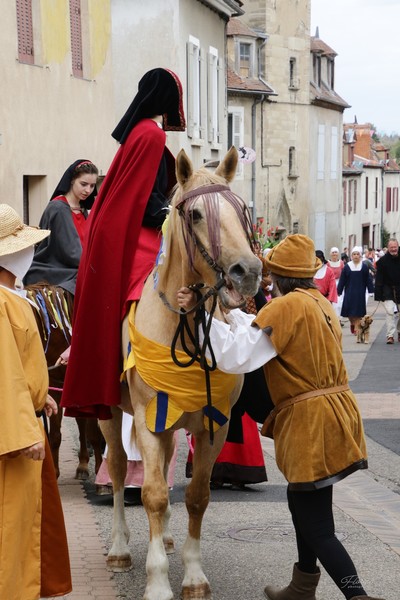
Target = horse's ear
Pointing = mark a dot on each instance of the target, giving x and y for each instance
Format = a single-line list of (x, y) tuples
[(227, 167), (183, 168)]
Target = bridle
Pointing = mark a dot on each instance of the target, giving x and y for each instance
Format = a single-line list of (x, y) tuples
[(183, 331)]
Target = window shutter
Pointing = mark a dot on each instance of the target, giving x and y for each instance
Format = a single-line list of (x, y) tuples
[(210, 97), (190, 59), (25, 31), (221, 86), (76, 37)]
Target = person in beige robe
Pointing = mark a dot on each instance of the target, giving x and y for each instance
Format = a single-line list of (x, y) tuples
[(27, 564), (316, 424)]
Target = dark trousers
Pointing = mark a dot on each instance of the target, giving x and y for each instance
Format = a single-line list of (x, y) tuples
[(313, 521)]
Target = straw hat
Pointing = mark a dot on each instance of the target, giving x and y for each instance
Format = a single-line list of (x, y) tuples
[(14, 235), (294, 257)]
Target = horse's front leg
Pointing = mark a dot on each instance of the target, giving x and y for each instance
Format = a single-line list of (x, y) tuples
[(119, 558), (156, 451), (195, 584)]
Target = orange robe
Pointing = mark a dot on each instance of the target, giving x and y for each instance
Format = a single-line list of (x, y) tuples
[(23, 391)]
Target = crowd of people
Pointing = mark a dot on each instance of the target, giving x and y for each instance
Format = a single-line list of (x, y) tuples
[(102, 259)]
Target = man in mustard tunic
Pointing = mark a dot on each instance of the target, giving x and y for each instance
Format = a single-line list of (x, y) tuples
[(23, 396), (316, 424)]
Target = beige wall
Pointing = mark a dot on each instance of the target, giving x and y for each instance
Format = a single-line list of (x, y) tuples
[(282, 199), (48, 118), (156, 36)]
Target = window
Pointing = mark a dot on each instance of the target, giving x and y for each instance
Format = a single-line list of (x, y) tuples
[(321, 152), (213, 96), (396, 199), (331, 72), (292, 162), (366, 193), (193, 89), (388, 200), (376, 192), (334, 152), (293, 79), (344, 197), (236, 132), (350, 196), (76, 37), (25, 31), (245, 62), (355, 196), (317, 69)]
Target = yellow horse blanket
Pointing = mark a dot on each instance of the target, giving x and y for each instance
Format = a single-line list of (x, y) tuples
[(178, 389)]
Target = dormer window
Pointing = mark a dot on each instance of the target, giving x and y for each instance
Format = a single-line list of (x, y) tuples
[(331, 73), (245, 59), (317, 69)]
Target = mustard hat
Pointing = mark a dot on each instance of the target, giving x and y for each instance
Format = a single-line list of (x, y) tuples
[(14, 235), (294, 257)]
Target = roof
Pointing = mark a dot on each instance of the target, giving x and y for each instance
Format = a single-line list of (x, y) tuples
[(237, 27), (247, 85), (319, 46), (324, 94)]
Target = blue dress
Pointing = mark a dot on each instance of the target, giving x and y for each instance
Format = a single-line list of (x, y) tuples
[(355, 284)]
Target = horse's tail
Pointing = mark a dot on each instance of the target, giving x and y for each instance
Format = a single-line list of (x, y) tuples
[(54, 308)]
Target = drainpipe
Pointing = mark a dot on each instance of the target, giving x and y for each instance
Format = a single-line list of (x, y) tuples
[(382, 198), (259, 100)]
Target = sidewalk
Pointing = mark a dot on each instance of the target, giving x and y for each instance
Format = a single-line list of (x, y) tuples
[(247, 537)]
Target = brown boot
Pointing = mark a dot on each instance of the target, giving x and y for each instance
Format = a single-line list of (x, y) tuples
[(302, 587), (366, 598)]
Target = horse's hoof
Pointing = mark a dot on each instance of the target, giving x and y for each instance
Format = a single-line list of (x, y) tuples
[(82, 474), (201, 591), (169, 546), (119, 564), (104, 490)]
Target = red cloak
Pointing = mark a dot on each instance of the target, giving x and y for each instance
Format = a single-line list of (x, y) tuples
[(108, 272)]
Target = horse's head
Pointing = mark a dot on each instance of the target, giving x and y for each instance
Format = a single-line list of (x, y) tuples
[(215, 230)]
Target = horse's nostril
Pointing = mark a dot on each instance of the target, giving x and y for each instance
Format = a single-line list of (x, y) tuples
[(237, 271)]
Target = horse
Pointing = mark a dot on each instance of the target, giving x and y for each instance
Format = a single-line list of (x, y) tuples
[(207, 244), (53, 307)]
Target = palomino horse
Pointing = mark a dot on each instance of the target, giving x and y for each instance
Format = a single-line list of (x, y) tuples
[(207, 242), (53, 317)]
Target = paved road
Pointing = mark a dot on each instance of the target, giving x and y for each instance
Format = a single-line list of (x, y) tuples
[(248, 539)]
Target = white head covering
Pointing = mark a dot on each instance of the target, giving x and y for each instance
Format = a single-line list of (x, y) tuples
[(357, 249), (19, 262), (334, 249)]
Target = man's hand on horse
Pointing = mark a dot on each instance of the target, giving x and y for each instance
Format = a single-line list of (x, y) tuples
[(50, 407), (186, 298), (64, 356)]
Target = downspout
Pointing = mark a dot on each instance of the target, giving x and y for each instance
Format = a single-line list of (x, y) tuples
[(382, 197), (259, 100)]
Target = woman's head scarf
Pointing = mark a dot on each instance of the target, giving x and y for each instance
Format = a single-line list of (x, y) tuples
[(159, 93), (64, 185)]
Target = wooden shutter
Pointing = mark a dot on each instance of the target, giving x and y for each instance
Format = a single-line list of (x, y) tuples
[(25, 31), (76, 37)]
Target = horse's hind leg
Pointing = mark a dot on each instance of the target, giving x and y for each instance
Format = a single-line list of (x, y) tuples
[(119, 558), (195, 584), (82, 470), (55, 433), (156, 450), (96, 440)]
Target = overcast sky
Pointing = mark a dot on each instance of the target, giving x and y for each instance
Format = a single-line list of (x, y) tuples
[(365, 35)]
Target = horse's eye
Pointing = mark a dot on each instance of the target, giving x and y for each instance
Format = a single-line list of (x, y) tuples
[(196, 215)]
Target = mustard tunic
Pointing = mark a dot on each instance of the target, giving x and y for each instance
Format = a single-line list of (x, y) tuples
[(318, 440), (23, 390)]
